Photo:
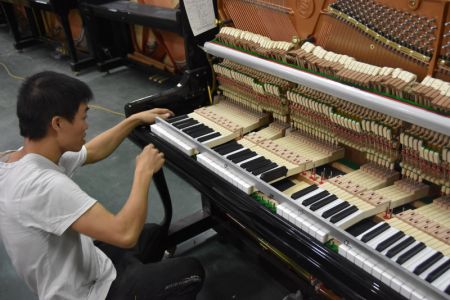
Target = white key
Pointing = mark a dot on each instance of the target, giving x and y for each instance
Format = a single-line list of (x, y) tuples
[(377, 271), (368, 266), (313, 193), (228, 175), (211, 141), (235, 151), (394, 244), (179, 142), (415, 295), (433, 267), (396, 284), (369, 230), (419, 258), (382, 237), (321, 210), (302, 221), (249, 159), (387, 277), (442, 281), (349, 220), (343, 250), (351, 255), (406, 290), (259, 176), (394, 258), (359, 260)]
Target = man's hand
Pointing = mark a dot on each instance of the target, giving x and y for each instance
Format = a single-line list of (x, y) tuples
[(149, 116), (123, 229), (149, 161)]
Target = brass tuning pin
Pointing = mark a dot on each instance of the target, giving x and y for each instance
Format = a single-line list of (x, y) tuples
[(221, 23)]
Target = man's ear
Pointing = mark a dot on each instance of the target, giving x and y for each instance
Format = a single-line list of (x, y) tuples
[(56, 123)]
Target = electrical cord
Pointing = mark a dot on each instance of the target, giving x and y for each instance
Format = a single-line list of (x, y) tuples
[(93, 106)]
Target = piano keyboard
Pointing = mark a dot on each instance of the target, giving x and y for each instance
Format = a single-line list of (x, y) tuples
[(325, 205), (343, 208), (226, 173), (266, 167), (211, 126), (418, 253)]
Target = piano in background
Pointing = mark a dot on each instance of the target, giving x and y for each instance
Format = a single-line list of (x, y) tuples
[(117, 32), (33, 21), (352, 84), (2, 17)]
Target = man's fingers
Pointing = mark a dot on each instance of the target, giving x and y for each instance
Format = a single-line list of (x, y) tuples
[(162, 111)]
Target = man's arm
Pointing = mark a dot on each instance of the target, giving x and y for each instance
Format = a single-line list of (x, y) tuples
[(123, 229), (105, 143)]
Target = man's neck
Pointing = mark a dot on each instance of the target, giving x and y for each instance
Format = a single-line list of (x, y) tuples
[(44, 147)]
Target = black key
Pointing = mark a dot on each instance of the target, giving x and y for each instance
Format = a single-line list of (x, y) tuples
[(201, 132), (274, 174), (428, 263), (323, 202), (251, 163), (244, 157), (208, 137), (198, 132), (264, 169), (224, 146), (238, 154), (334, 210), (316, 197), (410, 253), (177, 118), (447, 290), (193, 128), (283, 185), (185, 123), (304, 191), (343, 214), (375, 232), (438, 271), (259, 165), (393, 251), (229, 148), (389, 241)]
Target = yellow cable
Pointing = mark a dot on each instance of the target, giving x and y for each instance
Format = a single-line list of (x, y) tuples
[(11, 74), (210, 96), (98, 107)]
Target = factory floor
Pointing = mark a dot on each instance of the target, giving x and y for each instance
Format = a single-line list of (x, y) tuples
[(230, 273)]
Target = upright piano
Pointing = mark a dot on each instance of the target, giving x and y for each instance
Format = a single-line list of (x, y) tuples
[(327, 141)]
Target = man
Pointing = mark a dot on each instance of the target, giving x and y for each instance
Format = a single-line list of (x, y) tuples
[(47, 223)]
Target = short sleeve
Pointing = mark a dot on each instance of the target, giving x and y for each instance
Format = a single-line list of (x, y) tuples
[(54, 203), (70, 161)]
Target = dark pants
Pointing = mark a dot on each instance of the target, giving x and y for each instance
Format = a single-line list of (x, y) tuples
[(141, 274)]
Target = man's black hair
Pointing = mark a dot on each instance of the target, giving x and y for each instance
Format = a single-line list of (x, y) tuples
[(46, 95)]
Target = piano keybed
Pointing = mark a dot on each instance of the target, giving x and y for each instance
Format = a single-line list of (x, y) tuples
[(432, 219), (369, 177)]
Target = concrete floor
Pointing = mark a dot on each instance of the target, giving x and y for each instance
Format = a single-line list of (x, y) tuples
[(231, 274)]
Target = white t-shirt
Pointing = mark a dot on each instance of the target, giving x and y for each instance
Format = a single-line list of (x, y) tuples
[(38, 204)]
